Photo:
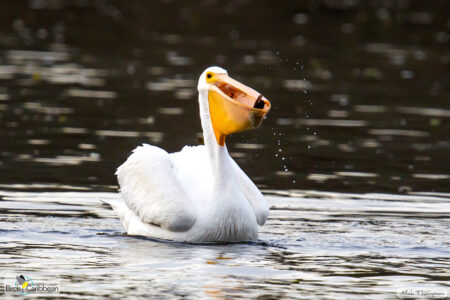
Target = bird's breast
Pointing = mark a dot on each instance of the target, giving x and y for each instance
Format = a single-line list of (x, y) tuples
[(231, 220)]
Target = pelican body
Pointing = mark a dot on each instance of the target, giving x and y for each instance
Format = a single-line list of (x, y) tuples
[(198, 194)]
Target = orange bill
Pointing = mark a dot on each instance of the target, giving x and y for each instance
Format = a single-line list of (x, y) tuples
[(234, 107)]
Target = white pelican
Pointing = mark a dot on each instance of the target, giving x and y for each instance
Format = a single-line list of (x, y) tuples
[(198, 194)]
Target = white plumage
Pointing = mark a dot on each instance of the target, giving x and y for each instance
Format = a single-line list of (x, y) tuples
[(196, 195)]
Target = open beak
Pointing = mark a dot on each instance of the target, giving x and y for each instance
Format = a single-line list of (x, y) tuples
[(234, 107)]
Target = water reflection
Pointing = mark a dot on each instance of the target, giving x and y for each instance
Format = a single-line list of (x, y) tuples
[(315, 243)]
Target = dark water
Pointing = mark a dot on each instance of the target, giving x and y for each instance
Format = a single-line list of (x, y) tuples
[(360, 108), (360, 94)]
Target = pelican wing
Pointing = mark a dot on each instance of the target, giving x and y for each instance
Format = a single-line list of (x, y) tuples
[(254, 196), (150, 187)]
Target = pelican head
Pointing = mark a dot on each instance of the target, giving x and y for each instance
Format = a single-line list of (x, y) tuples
[(233, 106)]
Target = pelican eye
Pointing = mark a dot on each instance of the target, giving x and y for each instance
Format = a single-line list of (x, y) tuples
[(210, 77)]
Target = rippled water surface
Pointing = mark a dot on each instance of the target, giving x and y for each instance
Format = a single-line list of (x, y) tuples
[(353, 156), (314, 244)]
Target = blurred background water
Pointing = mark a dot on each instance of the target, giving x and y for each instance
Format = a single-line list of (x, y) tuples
[(360, 112), (360, 90)]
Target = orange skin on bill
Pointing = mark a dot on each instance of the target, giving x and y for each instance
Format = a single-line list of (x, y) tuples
[(231, 106)]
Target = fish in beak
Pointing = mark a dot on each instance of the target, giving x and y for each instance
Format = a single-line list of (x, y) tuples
[(233, 106)]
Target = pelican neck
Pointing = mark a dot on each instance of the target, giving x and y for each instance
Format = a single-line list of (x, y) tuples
[(218, 155)]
